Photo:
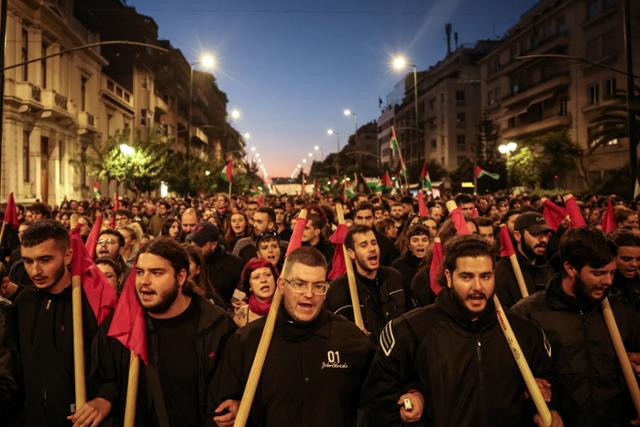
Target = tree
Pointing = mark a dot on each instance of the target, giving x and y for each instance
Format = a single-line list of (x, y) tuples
[(525, 167)]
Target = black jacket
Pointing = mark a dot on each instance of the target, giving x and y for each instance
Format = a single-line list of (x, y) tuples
[(311, 377), (45, 346), (628, 290), (9, 372), (379, 302), (408, 266), (421, 287), (223, 270), (388, 250), (110, 365), (463, 368), (589, 387), (535, 277)]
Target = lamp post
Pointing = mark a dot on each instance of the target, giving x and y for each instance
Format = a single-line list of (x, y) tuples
[(400, 63), (317, 149), (348, 113), (337, 134), (207, 61), (507, 149)]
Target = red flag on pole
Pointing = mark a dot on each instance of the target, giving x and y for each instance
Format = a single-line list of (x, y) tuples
[(11, 213), (338, 267), (553, 214), (92, 239), (128, 324), (608, 222), (296, 236), (506, 246), (458, 219), (577, 220), (434, 268), (99, 292), (422, 208)]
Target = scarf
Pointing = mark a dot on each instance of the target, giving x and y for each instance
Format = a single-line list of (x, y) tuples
[(258, 307)]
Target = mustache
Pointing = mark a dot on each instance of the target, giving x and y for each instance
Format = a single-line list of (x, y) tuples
[(477, 295)]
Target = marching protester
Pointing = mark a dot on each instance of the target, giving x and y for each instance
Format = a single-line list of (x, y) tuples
[(111, 271), (258, 283), (588, 385), (172, 227), (626, 280), (415, 250), (316, 363), (111, 244), (531, 233), (9, 361), (184, 335), (381, 291), (363, 215), (449, 361), (268, 248)]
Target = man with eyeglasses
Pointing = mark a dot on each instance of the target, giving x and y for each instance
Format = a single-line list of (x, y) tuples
[(316, 362), (110, 244)]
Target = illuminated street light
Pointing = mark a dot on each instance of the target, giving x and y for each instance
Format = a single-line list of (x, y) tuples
[(337, 134), (253, 149), (258, 155), (235, 114), (207, 60), (310, 155), (298, 166), (127, 150), (207, 173), (399, 62), (330, 132), (316, 147), (304, 160), (349, 113), (508, 148), (247, 136)]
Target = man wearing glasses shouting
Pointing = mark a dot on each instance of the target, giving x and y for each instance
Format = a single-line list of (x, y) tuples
[(316, 363)]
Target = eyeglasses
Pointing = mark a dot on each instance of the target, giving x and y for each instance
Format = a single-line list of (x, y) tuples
[(300, 287), (107, 241)]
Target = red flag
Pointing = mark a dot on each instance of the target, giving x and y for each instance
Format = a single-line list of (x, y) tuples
[(423, 171), (338, 267), (128, 324), (229, 170), (577, 220), (458, 219), (92, 238), (96, 287), (608, 222), (422, 208), (434, 268), (296, 236), (553, 214), (475, 213), (506, 246), (11, 213)]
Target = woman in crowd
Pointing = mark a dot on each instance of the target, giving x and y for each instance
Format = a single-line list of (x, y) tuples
[(414, 249), (200, 279), (237, 227), (111, 270), (171, 227), (268, 248), (258, 281)]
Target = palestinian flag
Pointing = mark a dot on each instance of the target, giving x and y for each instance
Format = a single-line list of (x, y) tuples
[(425, 179), (226, 174), (481, 172), (395, 147), (96, 190), (397, 184), (387, 185)]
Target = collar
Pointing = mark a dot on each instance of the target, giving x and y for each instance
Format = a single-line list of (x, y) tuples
[(558, 299), (450, 305), (294, 331)]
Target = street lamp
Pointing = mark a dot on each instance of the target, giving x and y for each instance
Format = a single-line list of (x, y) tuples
[(127, 150), (347, 112), (247, 136), (207, 61), (337, 134), (508, 148), (235, 114), (400, 63)]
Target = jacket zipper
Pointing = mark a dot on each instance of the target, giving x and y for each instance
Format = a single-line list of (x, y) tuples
[(480, 375)]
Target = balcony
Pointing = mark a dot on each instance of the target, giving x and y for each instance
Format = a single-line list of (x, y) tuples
[(55, 105), (536, 89), (87, 123), (544, 125), (28, 95), (161, 104), (118, 94), (197, 133)]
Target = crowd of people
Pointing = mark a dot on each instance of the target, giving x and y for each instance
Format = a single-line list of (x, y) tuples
[(430, 351)]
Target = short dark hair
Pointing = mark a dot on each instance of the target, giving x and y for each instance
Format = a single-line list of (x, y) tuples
[(270, 213), (355, 229), (304, 255), (586, 246), (363, 207), (110, 262), (418, 230), (122, 212), (44, 230), (114, 233), (315, 220), (468, 245), (40, 208), (170, 250), (483, 221), (621, 214), (623, 237), (463, 198)]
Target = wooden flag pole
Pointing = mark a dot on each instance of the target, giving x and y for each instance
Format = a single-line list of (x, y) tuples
[(517, 271), (78, 335), (132, 391), (261, 353), (230, 183), (4, 224), (518, 355), (623, 359), (353, 286)]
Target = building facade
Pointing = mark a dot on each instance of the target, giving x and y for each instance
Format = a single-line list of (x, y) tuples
[(527, 98)]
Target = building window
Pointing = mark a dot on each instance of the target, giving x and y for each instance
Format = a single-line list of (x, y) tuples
[(143, 117), (460, 97), (44, 66), (25, 157), (145, 83), (83, 93), (109, 118), (592, 8), (593, 48), (24, 51), (461, 119), (434, 144), (561, 25), (563, 101), (461, 141), (61, 154), (610, 87), (593, 94)]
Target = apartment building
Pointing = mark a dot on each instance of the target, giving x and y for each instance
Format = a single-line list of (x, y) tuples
[(528, 98)]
